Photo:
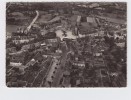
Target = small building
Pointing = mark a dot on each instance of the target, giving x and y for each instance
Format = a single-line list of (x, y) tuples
[(16, 64), (58, 51), (37, 44), (31, 62), (10, 50), (25, 47), (118, 36), (90, 19), (38, 57), (28, 46), (17, 59), (121, 44), (99, 64), (50, 35), (66, 73), (97, 54), (78, 20), (66, 82), (22, 39), (75, 12), (53, 42), (43, 32), (78, 82), (79, 64), (8, 35)]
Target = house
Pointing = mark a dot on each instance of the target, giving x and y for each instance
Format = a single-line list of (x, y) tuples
[(10, 50), (78, 82), (119, 36), (18, 52), (79, 64), (37, 44), (109, 35), (78, 20), (50, 35), (61, 11), (97, 54), (121, 44), (25, 47), (99, 64), (16, 64), (28, 46), (43, 43), (90, 19), (45, 56), (17, 59), (101, 33), (58, 51), (31, 62), (31, 46), (38, 57), (66, 73), (53, 42), (8, 35), (44, 31), (66, 82), (36, 26), (76, 12), (93, 34), (22, 39), (93, 5)]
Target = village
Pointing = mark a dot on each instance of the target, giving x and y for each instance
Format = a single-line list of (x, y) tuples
[(50, 46)]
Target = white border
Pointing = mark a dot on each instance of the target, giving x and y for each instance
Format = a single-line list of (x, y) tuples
[(59, 93)]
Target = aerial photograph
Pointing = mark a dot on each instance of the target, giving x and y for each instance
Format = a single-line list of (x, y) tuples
[(66, 44)]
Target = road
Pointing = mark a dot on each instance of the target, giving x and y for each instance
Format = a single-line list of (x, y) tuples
[(36, 17), (8, 6), (59, 72)]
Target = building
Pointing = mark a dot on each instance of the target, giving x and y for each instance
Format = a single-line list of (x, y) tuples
[(31, 62), (38, 57), (99, 64), (121, 44), (97, 54), (66, 82), (11, 50), (22, 39), (8, 35), (37, 44), (79, 64), (53, 42), (18, 59), (50, 35), (43, 32), (78, 20), (28, 46), (119, 36)]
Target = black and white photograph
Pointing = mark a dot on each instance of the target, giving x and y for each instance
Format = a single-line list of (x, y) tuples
[(66, 44)]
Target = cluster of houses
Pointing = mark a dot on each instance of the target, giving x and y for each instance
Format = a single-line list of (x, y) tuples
[(22, 39)]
